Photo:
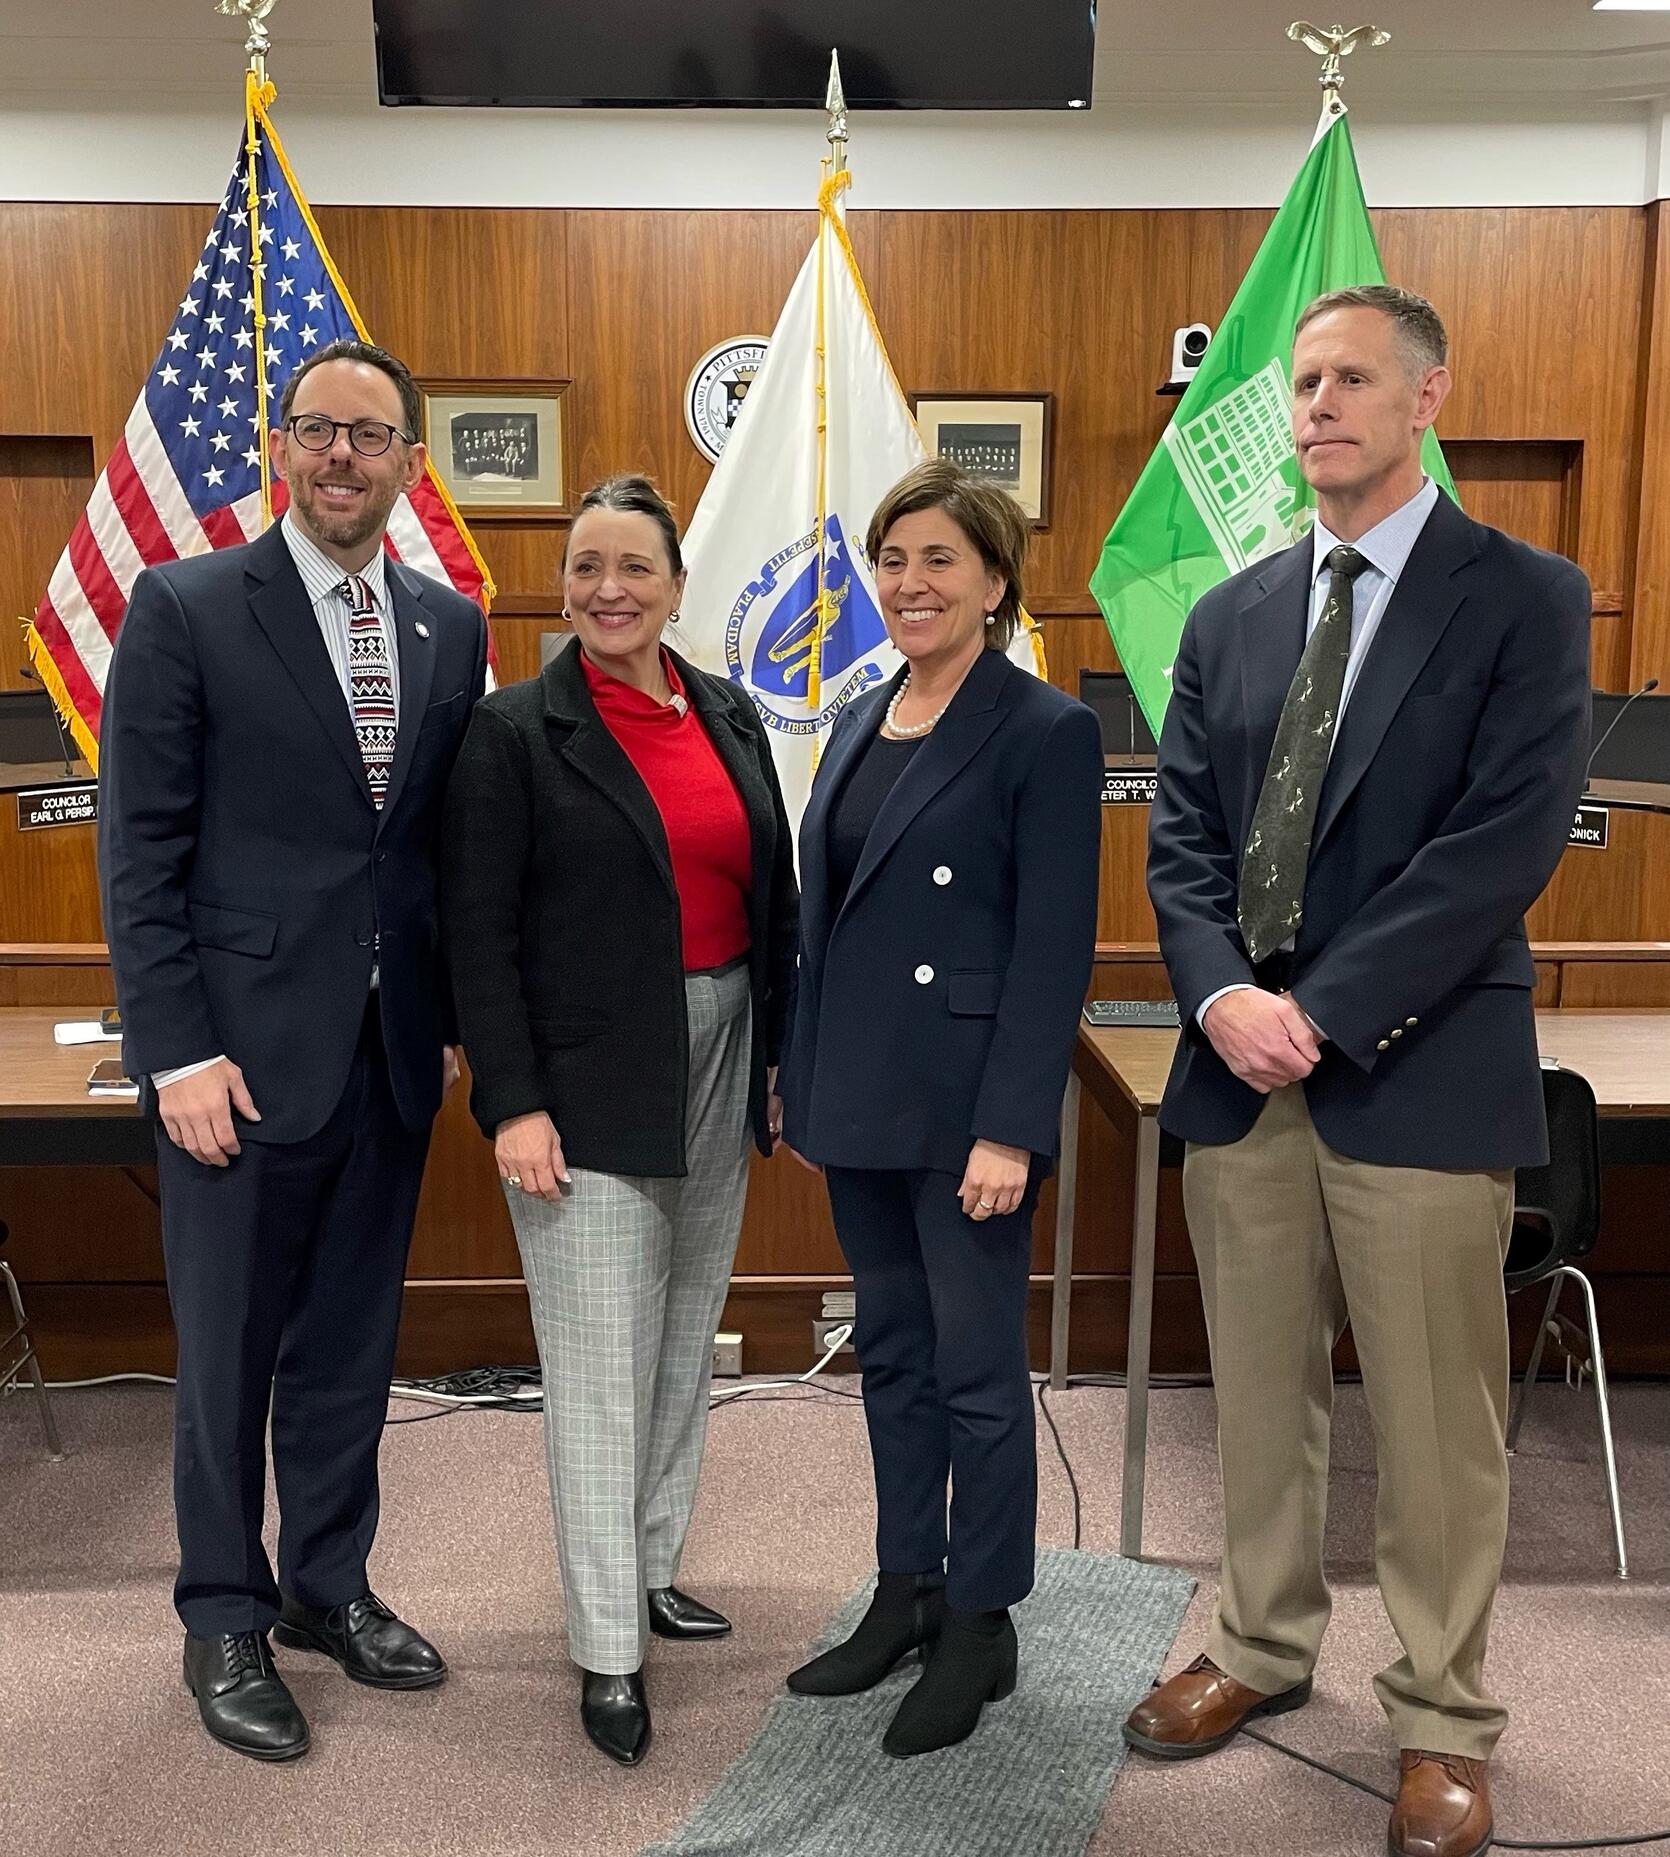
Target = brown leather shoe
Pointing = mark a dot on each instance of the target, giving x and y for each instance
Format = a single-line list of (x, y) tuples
[(1443, 1807), (1200, 1710)]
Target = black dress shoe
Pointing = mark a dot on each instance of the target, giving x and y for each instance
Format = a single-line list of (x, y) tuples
[(242, 1699), (975, 1660), (673, 1614), (904, 1616), (615, 1714), (367, 1639)]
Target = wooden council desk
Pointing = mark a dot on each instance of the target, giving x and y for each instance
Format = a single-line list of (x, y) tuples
[(1624, 1055), (46, 1116)]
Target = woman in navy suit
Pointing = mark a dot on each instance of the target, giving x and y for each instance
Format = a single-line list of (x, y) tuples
[(948, 862)]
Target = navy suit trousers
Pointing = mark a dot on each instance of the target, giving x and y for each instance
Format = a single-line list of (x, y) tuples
[(285, 1271), (941, 1340)]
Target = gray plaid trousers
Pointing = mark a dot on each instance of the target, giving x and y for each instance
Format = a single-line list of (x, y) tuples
[(627, 1277)]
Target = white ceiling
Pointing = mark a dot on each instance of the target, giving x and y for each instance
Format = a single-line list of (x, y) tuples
[(1498, 52)]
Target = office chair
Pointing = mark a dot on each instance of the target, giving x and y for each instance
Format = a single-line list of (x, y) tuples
[(1556, 1219), (28, 1358)]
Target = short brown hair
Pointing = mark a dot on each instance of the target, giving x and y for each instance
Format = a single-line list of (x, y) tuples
[(1420, 334), (635, 496), (411, 405), (991, 519)]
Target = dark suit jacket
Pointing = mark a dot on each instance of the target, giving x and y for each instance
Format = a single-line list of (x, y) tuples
[(245, 872), (561, 919), (1446, 806), (937, 1010)]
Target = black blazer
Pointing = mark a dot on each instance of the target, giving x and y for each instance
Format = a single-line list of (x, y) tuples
[(940, 1006), (248, 881), (1446, 806), (561, 922)]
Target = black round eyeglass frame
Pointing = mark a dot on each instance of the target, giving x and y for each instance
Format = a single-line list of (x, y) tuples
[(358, 430)]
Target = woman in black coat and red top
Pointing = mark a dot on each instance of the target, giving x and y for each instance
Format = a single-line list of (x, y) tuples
[(619, 906), (948, 860)]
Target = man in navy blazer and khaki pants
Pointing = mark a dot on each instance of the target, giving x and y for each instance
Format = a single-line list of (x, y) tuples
[(280, 722), (1368, 772)]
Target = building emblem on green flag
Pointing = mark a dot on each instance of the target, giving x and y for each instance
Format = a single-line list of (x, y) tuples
[(1222, 488), (1237, 463)]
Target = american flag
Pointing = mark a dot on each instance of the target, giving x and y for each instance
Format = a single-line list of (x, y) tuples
[(186, 475)]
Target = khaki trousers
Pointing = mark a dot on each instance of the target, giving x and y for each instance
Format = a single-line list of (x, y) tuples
[(1293, 1240)]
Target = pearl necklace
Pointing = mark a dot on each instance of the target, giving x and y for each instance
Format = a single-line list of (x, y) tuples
[(896, 729)]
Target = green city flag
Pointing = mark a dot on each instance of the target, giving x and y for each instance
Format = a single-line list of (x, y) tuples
[(1223, 489)]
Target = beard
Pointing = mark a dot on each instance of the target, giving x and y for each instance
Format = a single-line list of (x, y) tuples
[(344, 528)]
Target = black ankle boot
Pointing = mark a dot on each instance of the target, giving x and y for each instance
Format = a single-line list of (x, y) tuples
[(904, 1615), (974, 1660)]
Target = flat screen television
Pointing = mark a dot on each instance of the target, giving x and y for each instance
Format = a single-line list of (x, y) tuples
[(758, 54)]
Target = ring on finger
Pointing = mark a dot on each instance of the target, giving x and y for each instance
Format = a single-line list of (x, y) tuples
[(514, 1179)]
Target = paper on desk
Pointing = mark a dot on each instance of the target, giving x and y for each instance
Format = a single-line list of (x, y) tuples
[(83, 1032)]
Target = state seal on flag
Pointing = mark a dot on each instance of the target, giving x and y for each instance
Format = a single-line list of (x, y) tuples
[(772, 632), (717, 386)]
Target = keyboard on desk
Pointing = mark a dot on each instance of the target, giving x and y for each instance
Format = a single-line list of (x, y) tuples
[(1131, 1012)]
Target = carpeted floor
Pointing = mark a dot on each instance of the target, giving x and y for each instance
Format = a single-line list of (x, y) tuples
[(100, 1755), (816, 1782)]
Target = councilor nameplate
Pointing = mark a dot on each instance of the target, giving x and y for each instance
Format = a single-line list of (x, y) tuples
[(40, 807), (1121, 787), (1131, 1012), (1589, 827)]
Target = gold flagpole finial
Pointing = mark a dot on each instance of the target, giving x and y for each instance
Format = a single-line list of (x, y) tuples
[(259, 42), (835, 101), (1331, 44)]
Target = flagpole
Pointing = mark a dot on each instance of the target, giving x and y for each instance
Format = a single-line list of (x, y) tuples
[(258, 93), (835, 103), (1331, 44)]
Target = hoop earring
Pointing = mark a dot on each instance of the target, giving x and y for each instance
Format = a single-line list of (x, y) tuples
[(672, 617)]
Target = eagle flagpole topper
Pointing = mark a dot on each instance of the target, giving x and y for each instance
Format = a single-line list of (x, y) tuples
[(1331, 44)]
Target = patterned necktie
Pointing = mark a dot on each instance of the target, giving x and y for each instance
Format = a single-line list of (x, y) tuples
[(370, 686), (1271, 898)]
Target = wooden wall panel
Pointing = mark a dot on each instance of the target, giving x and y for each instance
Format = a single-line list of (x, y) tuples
[(1564, 439), (44, 485), (1544, 345), (1650, 506)]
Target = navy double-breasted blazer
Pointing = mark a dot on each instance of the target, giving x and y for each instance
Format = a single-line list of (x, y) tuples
[(939, 1005)]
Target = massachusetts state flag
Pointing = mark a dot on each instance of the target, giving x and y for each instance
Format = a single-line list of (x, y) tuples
[(781, 597), (186, 475)]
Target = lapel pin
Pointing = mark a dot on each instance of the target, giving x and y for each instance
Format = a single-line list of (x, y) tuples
[(420, 628)]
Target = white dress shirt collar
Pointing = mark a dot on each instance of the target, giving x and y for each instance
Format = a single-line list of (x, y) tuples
[(321, 576)]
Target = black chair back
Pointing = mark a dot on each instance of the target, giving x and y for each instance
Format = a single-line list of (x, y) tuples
[(1556, 1212)]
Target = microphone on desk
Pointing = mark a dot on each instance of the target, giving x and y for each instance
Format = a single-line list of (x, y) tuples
[(34, 676), (1623, 710)]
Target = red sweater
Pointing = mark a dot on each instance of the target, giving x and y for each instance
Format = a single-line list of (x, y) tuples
[(705, 821)]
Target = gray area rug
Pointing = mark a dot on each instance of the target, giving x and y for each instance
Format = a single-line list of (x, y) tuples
[(1029, 1783)]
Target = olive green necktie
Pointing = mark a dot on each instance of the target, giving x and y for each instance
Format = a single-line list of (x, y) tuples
[(1271, 900)]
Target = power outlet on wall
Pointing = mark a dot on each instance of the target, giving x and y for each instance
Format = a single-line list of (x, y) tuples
[(823, 1329), (727, 1355)]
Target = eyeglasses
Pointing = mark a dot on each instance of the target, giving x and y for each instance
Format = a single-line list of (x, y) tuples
[(369, 437)]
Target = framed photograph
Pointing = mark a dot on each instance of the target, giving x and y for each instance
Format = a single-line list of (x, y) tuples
[(497, 446), (1004, 437)]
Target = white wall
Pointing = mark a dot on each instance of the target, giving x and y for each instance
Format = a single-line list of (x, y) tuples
[(70, 147)]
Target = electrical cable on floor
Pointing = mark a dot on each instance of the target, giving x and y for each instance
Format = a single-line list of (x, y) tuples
[(1066, 1462), (837, 1338)]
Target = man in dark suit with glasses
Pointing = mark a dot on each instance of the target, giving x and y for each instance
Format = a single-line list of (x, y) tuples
[(280, 720)]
